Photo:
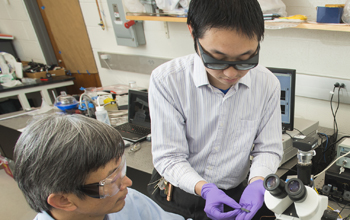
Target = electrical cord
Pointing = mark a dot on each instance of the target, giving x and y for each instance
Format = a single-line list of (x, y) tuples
[(299, 131), (340, 205), (331, 207), (331, 103), (331, 164), (335, 125), (289, 135), (107, 64), (325, 148), (336, 212), (335, 114), (344, 208), (331, 145)]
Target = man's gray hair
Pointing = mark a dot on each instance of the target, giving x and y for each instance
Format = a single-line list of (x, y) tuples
[(55, 154)]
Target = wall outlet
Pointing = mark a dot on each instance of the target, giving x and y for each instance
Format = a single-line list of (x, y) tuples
[(319, 87)]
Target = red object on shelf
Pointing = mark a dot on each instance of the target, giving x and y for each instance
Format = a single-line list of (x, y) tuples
[(6, 37), (129, 24)]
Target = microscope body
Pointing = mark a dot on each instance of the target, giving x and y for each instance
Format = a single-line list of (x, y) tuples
[(311, 207)]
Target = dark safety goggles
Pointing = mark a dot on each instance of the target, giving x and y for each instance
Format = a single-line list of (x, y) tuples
[(109, 186), (215, 64)]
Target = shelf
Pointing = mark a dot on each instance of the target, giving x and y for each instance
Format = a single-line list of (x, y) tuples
[(325, 27), (309, 26), (154, 17)]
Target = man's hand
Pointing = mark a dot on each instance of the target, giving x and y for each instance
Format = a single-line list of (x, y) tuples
[(215, 200), (252, 199)]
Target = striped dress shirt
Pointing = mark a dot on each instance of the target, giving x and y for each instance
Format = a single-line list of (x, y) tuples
[(199, 133)]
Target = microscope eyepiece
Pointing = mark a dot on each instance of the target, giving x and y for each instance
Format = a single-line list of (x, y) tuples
[(294, 186), (275, 186), (296, 190)]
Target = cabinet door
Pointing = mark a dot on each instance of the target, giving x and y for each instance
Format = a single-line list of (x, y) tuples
[(67, 31)]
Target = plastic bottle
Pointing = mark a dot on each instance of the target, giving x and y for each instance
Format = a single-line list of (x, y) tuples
[(102, 114)]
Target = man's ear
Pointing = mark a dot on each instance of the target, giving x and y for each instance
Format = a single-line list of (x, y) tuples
[(61, 201), (190, 29)]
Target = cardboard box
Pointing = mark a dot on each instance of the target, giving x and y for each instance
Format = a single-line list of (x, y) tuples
[(38, 75)]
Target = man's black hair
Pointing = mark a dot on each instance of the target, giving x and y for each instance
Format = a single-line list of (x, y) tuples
[(244, 16)]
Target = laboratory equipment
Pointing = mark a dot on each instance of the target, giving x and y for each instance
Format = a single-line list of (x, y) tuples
[(296, 199), (293, 200), (102, 114), (306, 150), (343, 148), (139, 121), (65, 102), (87, 105), (287, 79)]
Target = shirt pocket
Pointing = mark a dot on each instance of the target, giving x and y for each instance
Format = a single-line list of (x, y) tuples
[(244, 133)]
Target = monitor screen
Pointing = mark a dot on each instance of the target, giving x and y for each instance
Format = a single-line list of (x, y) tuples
[(287, 80), (138, 110), (7, 46)]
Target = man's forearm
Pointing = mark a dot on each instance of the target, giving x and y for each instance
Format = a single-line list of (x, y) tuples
[(198, 187), (256, 178)]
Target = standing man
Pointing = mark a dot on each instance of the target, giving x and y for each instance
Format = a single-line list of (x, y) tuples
[(214, 110)]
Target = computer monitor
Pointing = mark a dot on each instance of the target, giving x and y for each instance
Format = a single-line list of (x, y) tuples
[(287, 80), (7, 46)]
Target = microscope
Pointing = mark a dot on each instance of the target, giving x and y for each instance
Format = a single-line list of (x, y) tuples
[(295, 199)]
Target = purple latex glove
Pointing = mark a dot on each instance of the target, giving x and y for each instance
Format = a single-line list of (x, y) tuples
[(215, 200), (252, 199)]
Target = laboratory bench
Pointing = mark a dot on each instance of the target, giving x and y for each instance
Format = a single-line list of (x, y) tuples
[(38, 86), (140, 164)]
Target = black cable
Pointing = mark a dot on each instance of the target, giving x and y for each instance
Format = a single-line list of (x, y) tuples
[(344, 208), (340, 205), (331, 103), (299, 131), (335, 124), (321, 135), (347, 218), (289, 135), (331, 145), (324, 152), (335, 114)]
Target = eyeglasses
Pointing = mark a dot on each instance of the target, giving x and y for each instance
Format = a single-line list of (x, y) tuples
[(109, 186), (215, 64)]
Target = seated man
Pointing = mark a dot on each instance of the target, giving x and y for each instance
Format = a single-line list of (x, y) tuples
[(72, 167)]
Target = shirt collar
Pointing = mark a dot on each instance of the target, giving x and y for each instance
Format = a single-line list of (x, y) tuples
[(246, 80), (200, 76)]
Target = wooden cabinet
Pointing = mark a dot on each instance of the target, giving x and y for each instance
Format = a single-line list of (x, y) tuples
[(68, 35)]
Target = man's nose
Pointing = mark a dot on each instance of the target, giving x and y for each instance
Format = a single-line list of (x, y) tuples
[(231, 72), (126, 182)]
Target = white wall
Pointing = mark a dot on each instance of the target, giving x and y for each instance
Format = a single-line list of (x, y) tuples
[(14, 20), (311, 52), (321, 53)]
